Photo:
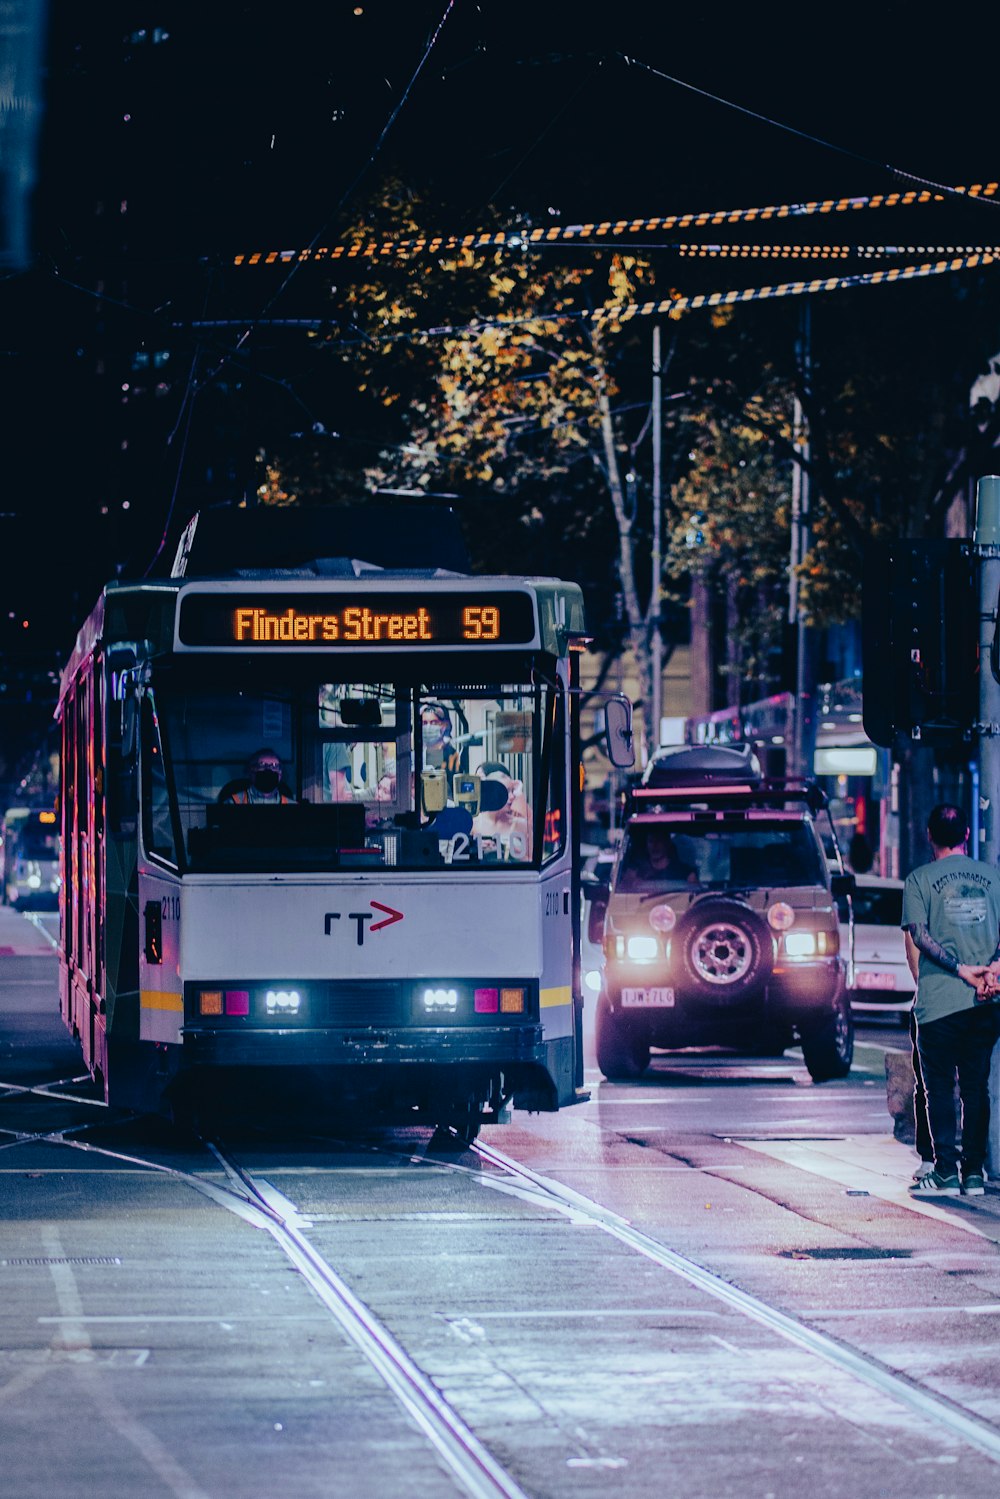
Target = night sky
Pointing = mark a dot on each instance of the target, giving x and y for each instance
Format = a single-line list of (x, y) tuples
[(175, 137)]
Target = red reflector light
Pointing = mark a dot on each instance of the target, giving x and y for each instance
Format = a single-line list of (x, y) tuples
[(237, 1002), (487, 1001), (210, 1002)]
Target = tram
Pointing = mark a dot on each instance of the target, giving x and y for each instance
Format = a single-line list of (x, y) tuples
[(321, 822), (30, 858)]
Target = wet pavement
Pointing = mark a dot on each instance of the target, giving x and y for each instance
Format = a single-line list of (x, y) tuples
[(153, 1342)]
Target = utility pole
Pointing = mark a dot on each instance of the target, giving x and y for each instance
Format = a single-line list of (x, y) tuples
[(805, 686), (656, 641), (986, 540)]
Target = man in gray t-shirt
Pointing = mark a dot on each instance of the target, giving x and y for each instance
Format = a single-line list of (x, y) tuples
[(951, 915)]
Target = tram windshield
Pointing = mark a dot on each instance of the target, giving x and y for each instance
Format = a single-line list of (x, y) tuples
[(312, 774)]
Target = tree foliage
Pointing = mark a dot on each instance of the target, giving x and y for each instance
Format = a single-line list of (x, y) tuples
[(519, 386)]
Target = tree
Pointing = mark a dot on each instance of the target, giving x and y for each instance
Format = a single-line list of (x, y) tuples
[(519, 385), (512, 403)]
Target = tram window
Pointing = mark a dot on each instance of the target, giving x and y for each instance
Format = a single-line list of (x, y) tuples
[(479, 760), (157, 826)]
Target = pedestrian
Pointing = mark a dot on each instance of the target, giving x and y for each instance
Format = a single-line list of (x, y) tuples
[(951, 915)]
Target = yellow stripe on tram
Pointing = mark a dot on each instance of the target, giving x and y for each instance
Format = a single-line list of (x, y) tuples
[(549, 998), (161, 999)]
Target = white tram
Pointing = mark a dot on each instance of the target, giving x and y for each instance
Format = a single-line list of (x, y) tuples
[(325, 828)]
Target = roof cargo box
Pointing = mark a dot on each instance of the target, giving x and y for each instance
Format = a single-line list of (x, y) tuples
[(703, 765)]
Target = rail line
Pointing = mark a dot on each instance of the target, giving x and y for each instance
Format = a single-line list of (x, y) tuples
[(474, 1468), (257, 1202), (907, 1392)]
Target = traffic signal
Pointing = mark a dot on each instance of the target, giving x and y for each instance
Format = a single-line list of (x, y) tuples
[(920, 645)]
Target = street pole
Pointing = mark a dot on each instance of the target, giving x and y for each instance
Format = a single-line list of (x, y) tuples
[(656, 643), (805, 687), (986, 539)]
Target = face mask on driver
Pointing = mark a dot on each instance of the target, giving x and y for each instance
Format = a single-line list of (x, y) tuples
[(266, 780)]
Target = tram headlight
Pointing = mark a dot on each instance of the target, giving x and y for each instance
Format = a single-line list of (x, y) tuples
[(440, 1001), (282, 1001)]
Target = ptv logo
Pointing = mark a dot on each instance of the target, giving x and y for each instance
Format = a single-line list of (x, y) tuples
[(389, 918)]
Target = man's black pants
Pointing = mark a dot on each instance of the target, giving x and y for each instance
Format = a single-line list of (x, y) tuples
[(962, 1043)]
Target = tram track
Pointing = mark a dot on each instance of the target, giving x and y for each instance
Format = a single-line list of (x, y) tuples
[(258, 1203), (253, 1198), (861, 1366)]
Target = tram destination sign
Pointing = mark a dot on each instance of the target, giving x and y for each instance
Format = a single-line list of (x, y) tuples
[(357, 620)]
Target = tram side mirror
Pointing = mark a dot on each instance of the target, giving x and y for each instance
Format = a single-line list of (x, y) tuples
[(618, 732)]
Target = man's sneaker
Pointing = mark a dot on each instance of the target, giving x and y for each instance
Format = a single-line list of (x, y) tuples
[(924, 1169), (936, 1185), (973, 1184)]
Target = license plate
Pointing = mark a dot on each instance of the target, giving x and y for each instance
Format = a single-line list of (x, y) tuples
[(637, 999), (875, 980)]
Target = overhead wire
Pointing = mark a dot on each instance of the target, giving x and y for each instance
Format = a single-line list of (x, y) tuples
[(815, 140)]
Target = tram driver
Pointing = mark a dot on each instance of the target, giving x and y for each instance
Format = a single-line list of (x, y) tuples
[(261, 785)]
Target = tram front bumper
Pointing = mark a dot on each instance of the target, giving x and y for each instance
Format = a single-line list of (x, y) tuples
[(210, 1046)]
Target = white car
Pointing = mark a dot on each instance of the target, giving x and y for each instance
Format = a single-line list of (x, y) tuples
[(878, 977)]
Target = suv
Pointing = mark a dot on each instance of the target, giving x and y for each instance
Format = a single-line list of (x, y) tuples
[(720, 925)]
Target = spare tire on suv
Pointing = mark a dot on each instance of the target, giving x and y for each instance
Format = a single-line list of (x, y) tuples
[(726, 951)]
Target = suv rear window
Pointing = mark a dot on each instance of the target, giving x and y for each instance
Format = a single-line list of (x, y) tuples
[(725, 857)]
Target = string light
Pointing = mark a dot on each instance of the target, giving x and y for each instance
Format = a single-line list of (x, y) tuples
[(367, 249)]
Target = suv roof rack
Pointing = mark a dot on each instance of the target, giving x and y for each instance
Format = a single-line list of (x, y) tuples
[(769, 791)]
